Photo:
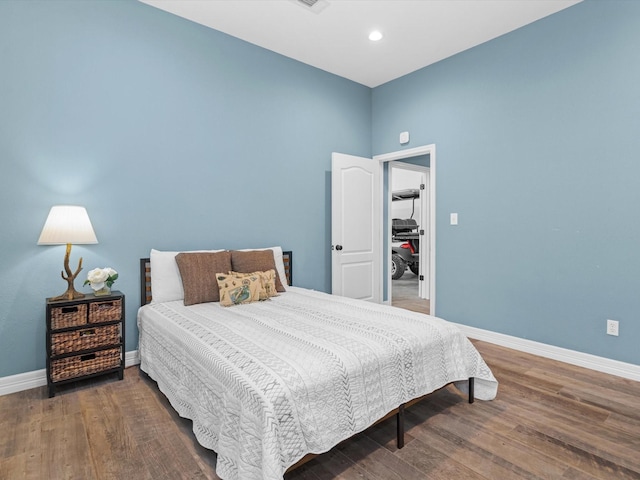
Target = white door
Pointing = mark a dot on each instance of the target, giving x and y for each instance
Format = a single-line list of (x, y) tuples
[(355, 227)]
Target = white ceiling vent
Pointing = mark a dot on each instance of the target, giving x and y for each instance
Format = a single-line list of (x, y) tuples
[(315, 6)]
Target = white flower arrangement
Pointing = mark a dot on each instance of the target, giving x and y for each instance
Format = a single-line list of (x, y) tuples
[(101, 277)]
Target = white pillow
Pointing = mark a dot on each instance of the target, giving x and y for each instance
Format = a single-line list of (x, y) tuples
[(166, 282), (278, 257)]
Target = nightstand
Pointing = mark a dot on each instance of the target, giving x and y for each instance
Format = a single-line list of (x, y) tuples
[(85, 338)]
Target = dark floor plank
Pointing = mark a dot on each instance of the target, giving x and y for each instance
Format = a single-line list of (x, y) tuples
[(113, 450), (64, 444), (435, 464), (376, 461)]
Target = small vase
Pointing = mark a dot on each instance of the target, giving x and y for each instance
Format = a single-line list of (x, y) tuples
[(103, 291)]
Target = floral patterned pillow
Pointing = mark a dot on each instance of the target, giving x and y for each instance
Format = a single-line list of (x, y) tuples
[(236, 289), (267, 280)]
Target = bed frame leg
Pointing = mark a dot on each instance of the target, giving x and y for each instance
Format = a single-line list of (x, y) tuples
[(471, 393), (400, 426)]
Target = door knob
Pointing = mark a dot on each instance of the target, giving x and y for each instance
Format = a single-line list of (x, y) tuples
[(338, 247)]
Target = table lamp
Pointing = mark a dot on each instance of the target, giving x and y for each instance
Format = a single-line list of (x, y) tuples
[(67, 224)]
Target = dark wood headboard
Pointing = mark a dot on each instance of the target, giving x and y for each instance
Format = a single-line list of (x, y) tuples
[(145, 275)]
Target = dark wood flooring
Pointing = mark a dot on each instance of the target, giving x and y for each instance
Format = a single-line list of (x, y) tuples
[(550, 421)]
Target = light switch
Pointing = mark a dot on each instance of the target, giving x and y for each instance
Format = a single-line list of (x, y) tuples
[(454, 219), (404, 138)]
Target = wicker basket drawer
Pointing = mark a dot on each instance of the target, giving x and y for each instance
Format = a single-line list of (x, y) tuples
[(81, 365), (84, 339), (105, 311), (70, 316)]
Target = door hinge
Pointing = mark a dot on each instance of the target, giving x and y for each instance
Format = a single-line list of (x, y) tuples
[(422, 186), (422, 278)]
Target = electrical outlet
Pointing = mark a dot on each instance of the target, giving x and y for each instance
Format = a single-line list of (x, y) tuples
[(612, 327)]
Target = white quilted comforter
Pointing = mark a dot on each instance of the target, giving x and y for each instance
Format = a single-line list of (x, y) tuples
[(268, 382)]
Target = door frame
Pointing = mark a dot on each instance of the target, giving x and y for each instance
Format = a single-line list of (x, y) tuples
[(404, 154)]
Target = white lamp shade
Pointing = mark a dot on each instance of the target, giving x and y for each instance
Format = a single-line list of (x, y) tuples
[(67, 224)]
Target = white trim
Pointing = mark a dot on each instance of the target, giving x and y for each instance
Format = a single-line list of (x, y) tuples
[(38, 378), (23, 381), (131, 358), (408, 153), (586, 360)]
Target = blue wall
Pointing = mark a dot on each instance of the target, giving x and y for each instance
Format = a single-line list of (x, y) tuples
[(537, 150), (172, 135), (175, 136)]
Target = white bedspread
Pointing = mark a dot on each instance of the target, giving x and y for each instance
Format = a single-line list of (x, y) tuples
[(268, 382)]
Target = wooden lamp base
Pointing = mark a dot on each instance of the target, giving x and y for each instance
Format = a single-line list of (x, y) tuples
[(71, 293)]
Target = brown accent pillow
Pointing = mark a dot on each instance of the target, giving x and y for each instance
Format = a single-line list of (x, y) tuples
[(236, 289), (255, 261), (198, 271)]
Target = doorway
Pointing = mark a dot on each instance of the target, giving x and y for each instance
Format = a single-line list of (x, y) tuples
[(408, 213), (428, 153)]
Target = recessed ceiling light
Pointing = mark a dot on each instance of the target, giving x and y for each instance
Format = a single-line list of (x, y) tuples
[(375, 36)]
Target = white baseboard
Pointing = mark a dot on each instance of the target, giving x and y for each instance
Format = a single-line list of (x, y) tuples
[(586, 360), (131, 358), (23, 381), (38, 378)]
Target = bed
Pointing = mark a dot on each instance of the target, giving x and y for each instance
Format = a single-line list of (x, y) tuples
[(269, 383)]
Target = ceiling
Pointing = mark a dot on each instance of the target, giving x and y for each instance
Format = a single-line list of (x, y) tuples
[(333, 34)]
